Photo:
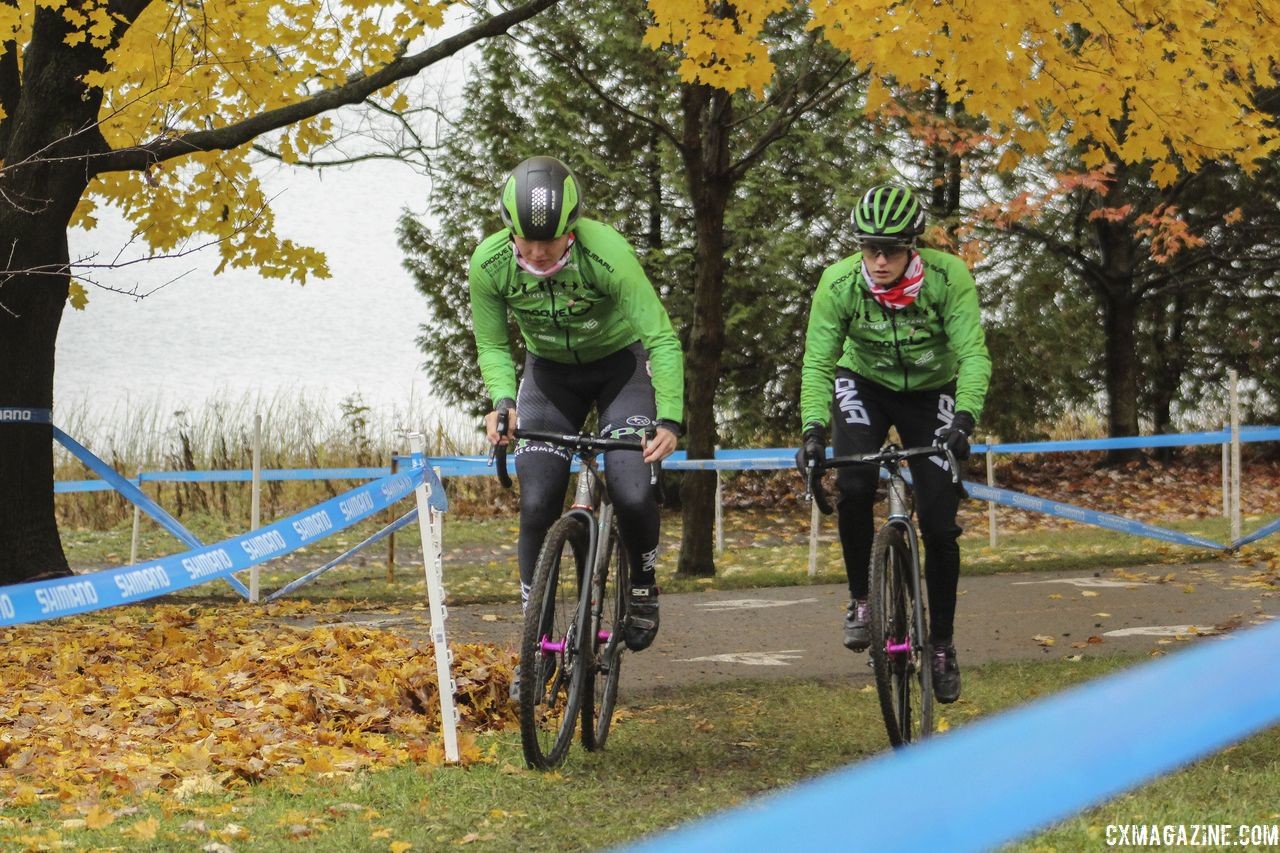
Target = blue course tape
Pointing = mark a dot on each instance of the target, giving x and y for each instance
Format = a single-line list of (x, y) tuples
[(1009, 775), (134, 493), (1260, 533), (1006, 497), (126, 487), (274, 474), (403, 521), (33, 602), (1247, 435), (61, 487), (15, 415)]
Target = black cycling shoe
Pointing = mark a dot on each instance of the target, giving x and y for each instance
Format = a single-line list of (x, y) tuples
[(946, 673), (857, 625), (642, 617)]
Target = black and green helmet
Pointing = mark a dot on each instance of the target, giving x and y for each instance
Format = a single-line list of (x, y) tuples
[(540, 200), (888, 214)]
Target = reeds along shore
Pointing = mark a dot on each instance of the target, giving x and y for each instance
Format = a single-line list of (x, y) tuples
[(218, 434), (304, 432)]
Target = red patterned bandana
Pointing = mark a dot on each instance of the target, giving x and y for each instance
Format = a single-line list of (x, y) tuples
[(904, 291)]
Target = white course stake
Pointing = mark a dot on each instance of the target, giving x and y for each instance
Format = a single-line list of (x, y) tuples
[(255, 505), (814, 518), (1226, 472), (1233, 379), (992, 535), (429, 525), (137, 525), (719, 512)]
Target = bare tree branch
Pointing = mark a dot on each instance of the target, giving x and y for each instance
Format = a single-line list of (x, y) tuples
[(354, 91), (787, 117)]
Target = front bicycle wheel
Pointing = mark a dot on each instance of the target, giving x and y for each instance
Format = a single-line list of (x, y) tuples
[(551, 666), (608, 608), (899, 655)]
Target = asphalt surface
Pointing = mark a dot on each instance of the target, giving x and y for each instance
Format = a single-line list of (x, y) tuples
[(795, 632)]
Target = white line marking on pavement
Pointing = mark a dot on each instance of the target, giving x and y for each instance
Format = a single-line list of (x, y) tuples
[(751, 603), (750, 658), (1162, 631), (1103, 582)]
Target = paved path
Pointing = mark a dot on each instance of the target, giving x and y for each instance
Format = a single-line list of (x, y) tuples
[(794, 632)]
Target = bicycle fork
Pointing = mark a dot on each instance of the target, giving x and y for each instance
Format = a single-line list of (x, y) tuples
[(900, 513)]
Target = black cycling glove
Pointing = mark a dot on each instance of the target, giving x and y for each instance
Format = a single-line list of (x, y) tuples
[(956, 436), (813, 448)]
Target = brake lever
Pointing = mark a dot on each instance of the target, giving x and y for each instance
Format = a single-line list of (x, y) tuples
[(499, 452), (956, 482), (655, 470), (815, 492)]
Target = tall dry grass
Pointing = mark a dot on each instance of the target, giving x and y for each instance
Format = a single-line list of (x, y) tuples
[(298, 431)]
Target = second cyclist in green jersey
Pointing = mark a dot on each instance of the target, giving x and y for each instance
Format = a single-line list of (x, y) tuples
[(895, 339)]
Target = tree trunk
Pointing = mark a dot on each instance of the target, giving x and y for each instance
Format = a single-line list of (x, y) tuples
[(707, 116), (30, 312), (1116, 289), (50, 128), (1121, 370)]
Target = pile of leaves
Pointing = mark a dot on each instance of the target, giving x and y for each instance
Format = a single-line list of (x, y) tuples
[(188, 701)]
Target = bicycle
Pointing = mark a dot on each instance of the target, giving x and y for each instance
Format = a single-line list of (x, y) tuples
[(571, 643), (900, 651)]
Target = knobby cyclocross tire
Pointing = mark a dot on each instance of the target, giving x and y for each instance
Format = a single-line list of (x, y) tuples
[(903, 680), (608, 609), (552, 666)]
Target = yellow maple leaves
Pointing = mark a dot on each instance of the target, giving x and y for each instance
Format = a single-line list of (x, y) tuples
[(721, 43), (186, 703), (1171, 82)]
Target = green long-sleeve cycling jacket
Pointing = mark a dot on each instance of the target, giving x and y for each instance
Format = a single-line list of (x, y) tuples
[(923, 346), (601, 302)]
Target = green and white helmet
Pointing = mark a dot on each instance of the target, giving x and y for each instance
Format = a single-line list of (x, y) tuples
[(540, 199), (888, 214)]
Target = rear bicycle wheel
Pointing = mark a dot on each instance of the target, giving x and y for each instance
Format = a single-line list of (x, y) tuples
[(899, 654), (608, 609), (552, 668)]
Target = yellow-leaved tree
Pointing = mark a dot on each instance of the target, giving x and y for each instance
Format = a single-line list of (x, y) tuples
[(152, 106), (1170, 83)]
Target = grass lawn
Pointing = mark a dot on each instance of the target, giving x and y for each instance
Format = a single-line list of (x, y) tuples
[(674, 756), (762, 549)]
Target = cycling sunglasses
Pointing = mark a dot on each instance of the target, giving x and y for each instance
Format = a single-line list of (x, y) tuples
[(891, 251)]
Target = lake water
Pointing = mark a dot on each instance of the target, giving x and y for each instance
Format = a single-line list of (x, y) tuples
[(236, 334)]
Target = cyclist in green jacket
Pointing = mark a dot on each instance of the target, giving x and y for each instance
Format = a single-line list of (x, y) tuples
[(595, 334), (895, 339)]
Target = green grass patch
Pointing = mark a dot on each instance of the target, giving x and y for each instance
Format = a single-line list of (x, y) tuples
[(762, 549), (674, 756)]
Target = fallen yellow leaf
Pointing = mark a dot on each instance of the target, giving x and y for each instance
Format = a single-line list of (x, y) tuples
[(98, 818), (143, 830)]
